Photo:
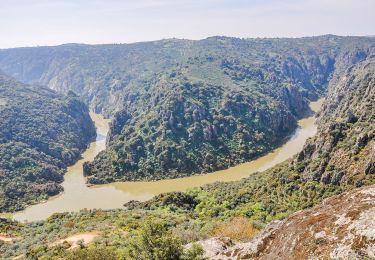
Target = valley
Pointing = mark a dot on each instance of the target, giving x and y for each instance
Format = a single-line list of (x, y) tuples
[(268, 137), (78, 196), (187, 130), (182, 107)]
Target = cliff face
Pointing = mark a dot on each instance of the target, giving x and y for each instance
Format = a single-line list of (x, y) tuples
[(343, 150), (342, 227), (41, 133)]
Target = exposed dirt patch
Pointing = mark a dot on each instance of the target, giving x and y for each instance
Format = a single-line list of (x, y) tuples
[(73, 241), (7, 238), (3, 101)]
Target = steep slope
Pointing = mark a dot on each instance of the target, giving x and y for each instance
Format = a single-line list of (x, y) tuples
[(347, 156), (343, 151), (185, 107), (180, 128), (290, 186), (342, 227), (41, 133)]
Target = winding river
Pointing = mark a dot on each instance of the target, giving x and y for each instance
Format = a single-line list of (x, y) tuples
[(77, 195)]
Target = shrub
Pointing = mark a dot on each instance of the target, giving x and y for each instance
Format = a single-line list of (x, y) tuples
[(92, 253), (238, 228), (154, 241)]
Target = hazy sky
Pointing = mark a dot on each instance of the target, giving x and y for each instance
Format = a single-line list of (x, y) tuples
[(51, 22)]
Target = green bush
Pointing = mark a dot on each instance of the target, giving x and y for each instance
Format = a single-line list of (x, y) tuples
[(154, 241)]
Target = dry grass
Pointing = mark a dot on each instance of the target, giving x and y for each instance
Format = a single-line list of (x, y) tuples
[(238, 228)]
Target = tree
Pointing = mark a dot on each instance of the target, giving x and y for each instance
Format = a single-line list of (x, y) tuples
[(154, 241)]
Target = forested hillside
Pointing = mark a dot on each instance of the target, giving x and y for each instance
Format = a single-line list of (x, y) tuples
[(341, 156), (331, 162), (239, 210), (41, 133), (183, 107)]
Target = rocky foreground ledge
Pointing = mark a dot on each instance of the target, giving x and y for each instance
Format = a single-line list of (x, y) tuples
[(342, 227)]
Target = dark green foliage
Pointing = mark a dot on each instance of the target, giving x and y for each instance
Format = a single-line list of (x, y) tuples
[(174, 199), (7, 225), (154, 241), (183, 134), (41, 133), (95, 253)]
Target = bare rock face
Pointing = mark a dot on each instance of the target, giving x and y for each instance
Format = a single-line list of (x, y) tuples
[(343, 150), (214, 247), (342, 227)]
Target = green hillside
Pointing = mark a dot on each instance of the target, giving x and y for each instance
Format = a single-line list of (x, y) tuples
[(41, 133)]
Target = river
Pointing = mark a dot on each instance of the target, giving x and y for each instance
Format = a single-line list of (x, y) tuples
[(77, 195)]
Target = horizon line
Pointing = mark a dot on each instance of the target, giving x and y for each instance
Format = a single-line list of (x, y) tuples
[(183, 39)]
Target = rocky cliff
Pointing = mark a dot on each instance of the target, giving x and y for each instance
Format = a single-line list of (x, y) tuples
[(342, 227), (343, 150)]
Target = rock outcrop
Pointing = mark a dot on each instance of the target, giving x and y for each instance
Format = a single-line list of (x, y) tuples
[(342, 227), (343, 150)]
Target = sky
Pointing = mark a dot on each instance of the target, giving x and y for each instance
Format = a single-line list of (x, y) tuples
[(53, 22)]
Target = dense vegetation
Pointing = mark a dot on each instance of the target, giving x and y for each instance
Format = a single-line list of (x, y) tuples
[(236, 209), (341, 156), (41, 133), (343, 151), (182, 107)]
